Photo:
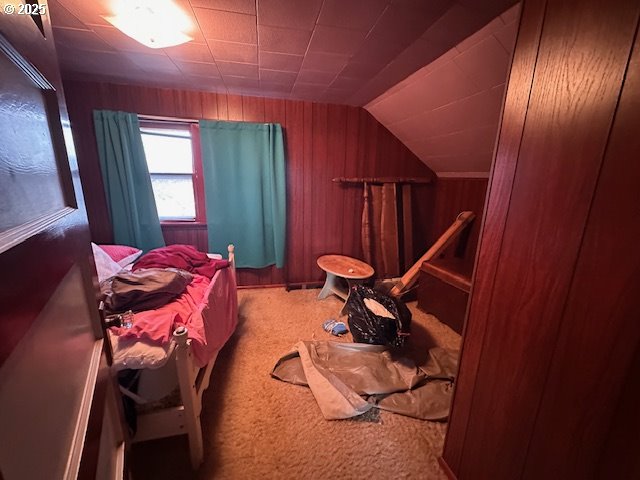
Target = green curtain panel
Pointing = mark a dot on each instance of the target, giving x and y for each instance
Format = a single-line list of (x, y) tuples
[(127, 184), (244, 176)]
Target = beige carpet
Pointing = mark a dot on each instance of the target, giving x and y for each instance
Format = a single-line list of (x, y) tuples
[(256, 427)]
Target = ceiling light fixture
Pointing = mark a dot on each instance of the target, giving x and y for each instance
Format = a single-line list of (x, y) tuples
[(154, 23)]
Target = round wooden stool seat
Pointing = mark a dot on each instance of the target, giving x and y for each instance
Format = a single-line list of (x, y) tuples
[(340, 267)]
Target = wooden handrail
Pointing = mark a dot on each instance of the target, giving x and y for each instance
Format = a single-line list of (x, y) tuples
[(409, 278)]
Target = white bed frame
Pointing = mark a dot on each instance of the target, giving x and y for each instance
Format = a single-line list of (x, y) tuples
[(192, 382)]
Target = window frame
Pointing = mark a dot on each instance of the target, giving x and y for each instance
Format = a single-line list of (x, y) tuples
[(197, 175)]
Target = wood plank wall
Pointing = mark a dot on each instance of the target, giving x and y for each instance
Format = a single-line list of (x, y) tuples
[(548, 382), (322, 141), (453, 195)]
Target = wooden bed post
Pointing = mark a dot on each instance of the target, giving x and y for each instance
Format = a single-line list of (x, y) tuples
[(187, 383), (232, 256)]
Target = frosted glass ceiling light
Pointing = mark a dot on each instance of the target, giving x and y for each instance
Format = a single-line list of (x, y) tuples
[(154, 23)]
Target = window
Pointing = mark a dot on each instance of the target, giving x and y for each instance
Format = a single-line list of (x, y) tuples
[(172, 152)]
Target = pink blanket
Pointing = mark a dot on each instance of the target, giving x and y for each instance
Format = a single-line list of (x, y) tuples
[(184, 257), (209, 310), (211, 330)]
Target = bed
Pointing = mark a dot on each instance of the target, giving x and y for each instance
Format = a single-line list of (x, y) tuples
[(173, 368)]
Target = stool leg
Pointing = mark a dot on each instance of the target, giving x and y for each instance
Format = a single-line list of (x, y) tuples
[(328, 287)]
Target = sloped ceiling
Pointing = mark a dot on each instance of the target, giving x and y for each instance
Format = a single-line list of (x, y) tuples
[(334, 51), (447, 112)]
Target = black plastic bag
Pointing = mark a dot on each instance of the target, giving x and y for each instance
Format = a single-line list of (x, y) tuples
[(368, 327)]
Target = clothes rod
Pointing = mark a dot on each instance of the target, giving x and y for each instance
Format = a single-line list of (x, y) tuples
[(382, 180)]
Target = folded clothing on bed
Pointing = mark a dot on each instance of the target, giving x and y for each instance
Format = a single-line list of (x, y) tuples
[(184, 257), (143, 289)]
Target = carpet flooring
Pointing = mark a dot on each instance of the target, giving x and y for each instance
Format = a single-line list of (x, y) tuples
[(256, 427)]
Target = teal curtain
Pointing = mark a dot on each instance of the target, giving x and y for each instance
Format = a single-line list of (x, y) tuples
[(127, 184), (244, 176)]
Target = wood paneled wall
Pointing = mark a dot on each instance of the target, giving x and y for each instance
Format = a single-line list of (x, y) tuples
[(322, 141), (453, 195), (187, 234), (548, 373)]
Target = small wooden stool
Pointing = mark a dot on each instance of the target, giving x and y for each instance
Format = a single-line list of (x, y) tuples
[(342, 267)]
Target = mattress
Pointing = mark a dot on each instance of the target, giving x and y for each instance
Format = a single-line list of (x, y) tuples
[(207, 308)]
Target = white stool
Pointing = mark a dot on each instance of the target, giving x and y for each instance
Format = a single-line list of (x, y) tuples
[(340, 267)]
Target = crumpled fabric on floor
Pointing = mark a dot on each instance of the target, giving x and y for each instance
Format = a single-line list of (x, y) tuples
[(349, 379)]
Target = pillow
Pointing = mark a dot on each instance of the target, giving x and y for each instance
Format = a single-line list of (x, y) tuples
[(132, 353), (122, 254), (105, 266)]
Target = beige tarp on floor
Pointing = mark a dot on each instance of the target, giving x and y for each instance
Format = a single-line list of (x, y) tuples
[(348, 379)]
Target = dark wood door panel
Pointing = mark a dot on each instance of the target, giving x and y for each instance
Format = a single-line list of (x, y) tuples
[(29, 174), (43, 225), (54, 363), (552, 330), (599, 333), (558, 165), (50, 341), (619, 458), (34, 269)]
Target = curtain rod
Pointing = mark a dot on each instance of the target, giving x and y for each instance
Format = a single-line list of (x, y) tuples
[(382, 180), (160, 118)]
